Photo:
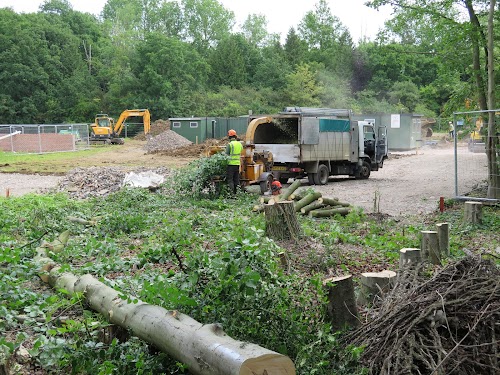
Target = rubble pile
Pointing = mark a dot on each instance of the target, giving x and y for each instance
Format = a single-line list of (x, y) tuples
[(168, 140), (84, 183), (157, 127)]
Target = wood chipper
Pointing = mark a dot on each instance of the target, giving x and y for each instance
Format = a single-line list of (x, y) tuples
[(255, 167)]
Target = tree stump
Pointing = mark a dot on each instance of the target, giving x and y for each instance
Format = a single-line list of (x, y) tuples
[(281, 221), (409, 257), (443, 230), (341, 308), (473, 213), (430, 246), (374, 284)]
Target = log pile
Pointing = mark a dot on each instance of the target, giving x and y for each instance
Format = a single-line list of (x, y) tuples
[(445, 325), (305, 202)]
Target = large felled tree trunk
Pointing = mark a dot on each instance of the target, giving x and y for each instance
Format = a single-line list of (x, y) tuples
[(206, 349)]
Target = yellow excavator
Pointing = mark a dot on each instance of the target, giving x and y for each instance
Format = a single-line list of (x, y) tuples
[(105, 130)]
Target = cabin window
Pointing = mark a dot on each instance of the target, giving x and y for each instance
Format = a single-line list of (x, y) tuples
[(176, 124)]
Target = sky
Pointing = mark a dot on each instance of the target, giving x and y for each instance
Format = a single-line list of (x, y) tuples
[(280, 14)]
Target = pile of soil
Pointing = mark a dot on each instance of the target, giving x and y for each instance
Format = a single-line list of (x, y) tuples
[(84, 183)]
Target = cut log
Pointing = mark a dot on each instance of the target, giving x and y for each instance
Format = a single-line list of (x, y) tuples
[(430, 246), (473, 213), (310, 207), (265, 198), (409, 257), (258, 208), (330, 201), (281, 221), (289, 190), (341, 308), (309, 198), (205, 349), (297, 195), (443, 230), (375, 284), (343, 211)]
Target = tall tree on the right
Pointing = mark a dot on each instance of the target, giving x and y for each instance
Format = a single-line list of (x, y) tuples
[(448, 19)]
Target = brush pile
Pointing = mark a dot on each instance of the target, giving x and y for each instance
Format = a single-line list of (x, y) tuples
[(449, 324)]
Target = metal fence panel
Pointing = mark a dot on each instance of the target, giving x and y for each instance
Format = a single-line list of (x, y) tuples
[(470, 134), (44, 138)]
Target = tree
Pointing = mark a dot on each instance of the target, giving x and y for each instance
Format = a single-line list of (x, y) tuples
[(207, 23), (295, 48), (329, 41), (233, 62), (447, 13), (492, 144), (168, 72), (320, 29), (254, 29), (302, 88), (406, 94)]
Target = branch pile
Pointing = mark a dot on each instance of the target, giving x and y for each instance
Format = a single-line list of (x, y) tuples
[(448, 324)]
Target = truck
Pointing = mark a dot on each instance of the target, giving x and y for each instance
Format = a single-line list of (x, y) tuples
[(315, 143), (104, 129)]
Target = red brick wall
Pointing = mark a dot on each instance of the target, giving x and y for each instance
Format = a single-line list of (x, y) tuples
[(34, 143)]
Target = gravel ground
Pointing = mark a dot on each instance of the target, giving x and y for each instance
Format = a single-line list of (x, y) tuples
[(409, 184)]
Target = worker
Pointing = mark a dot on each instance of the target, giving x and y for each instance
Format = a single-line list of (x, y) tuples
[(233, 149), (451, 129), (276, 187)]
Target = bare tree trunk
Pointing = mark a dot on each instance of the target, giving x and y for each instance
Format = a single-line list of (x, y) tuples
[(477, 37), (492, 139), (206, 349)]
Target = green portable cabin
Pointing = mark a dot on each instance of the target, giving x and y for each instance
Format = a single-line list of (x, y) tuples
[(404, 131), (198, 129)]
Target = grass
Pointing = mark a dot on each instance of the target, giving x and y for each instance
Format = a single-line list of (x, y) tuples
[(57, 163), (207, 258)]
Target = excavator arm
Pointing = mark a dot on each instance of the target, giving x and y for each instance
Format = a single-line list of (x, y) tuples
[(144, 113)]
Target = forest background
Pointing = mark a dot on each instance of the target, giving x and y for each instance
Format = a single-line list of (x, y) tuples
[(183, 58)]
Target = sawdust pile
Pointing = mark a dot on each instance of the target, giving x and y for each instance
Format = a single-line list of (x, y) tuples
[(444, 325), (168, 140), (82, 183)]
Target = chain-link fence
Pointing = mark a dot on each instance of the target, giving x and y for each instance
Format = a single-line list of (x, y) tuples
[(44, 138), (470, 133)]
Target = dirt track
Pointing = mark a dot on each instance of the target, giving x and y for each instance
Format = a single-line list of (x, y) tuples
[(409, 184)]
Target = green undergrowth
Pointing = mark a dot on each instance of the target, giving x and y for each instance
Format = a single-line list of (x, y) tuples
[(207, 258)]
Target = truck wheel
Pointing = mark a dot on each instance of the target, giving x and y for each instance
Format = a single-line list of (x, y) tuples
[(321, 178), (266, 185), (311, 178), (363, 171)]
